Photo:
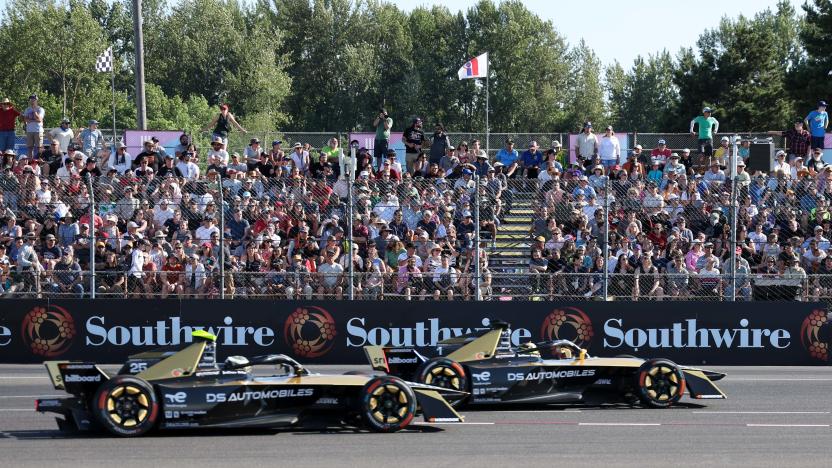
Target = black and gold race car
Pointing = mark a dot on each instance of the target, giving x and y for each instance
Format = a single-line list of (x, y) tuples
[(189, 389), (491, 371)]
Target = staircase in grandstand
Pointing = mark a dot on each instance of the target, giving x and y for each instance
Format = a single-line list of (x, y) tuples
[(509, 254)]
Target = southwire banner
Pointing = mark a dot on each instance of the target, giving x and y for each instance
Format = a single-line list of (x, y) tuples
[(332, 332)]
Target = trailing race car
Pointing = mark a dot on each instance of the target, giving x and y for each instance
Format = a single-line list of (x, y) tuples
[(485, 366), (188, 389)]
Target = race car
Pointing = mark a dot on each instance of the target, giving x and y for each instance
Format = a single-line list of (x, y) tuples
[(189, 389), (485, 366)]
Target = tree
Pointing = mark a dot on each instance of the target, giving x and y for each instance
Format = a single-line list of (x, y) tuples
[(585, 90), (212, 48), (811, 78), (50, 48), (529, 67), (740, 71), (642, 98)]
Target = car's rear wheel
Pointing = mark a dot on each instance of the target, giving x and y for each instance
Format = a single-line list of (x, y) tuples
[(660, 383), (445, 373), (126, 406), (388, 404)]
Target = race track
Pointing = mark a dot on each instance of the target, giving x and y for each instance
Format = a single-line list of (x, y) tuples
[(774, 417)]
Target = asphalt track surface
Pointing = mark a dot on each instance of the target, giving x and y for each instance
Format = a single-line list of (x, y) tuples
[(775, 416)]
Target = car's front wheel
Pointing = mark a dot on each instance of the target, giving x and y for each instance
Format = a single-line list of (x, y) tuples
[(126, 406), (388, 404), (660, 383)]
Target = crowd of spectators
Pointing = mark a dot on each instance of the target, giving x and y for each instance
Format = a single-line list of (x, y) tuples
[(266, 222), (669, 214), (275, 221)]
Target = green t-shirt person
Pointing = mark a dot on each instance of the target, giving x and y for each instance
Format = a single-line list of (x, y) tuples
[(382, 130), (707, 125)]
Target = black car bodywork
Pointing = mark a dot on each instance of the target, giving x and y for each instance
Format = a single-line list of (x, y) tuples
[(486, 366), (189, 389)]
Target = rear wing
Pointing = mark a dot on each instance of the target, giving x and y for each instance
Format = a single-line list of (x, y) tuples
[(400, 362), (75, 377)]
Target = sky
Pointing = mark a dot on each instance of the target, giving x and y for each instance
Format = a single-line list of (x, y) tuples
[(623, 30)]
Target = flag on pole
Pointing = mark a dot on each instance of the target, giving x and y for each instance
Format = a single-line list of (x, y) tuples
[(477, 67), (104, 62)]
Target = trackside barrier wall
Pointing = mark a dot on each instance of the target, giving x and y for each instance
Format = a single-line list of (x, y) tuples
[(334, 332)]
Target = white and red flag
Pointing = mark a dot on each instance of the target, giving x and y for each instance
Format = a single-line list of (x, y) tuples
[(477, 67)]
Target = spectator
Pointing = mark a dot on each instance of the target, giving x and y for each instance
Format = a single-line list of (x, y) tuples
[(66, 275), (331, 277), (217, 157), (222, 123), (586, 144), (91, 139), (508, 157), (609, 149), (707, 127), (439, 144), (818, 121), (382, 123), (8, 116), (413, 139), (33, 116), (300, 158), (186, 167), (798, 139), (661, 153), (722, 153)]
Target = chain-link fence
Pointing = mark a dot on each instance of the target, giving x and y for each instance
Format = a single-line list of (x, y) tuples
[(297, 224)]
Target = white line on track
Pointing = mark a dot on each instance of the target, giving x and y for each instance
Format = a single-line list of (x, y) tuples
[(787, 425), (32, 396), (22, 377), (539, 411), (617, 424), (807, 379), (761, 412), (17, 409), (462, 423)]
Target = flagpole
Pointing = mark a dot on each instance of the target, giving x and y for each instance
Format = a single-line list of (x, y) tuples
[(487, 129), (113, 78)]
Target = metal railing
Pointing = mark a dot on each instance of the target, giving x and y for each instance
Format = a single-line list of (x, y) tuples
[(787, 285), (243, 225)]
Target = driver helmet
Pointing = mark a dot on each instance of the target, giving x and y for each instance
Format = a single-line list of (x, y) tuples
[(529, 348), (562, 352), (236, 361)]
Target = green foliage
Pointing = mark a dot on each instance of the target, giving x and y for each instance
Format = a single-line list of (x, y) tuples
[(328, 65), (811, 78), (642, 98)]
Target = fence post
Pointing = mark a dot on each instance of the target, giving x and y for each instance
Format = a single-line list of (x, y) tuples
[(351, 240), (222, 236), (92, 236), (476, 200), (732, 257), (607, 187)]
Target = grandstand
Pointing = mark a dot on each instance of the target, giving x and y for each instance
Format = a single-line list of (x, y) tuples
[(206, 222)]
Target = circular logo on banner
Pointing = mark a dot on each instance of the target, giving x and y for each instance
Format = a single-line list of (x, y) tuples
[(810, 335), (48, 331), (310, 332), (568, 323)]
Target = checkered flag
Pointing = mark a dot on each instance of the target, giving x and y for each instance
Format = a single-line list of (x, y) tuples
[(104, 62)]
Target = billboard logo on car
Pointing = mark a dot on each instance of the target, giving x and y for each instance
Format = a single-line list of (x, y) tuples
[(310, 332), (810, 335), (568, 323), (178, 397), (48, 331)]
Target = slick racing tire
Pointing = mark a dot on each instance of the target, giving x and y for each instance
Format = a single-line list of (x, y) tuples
[(387, 404), (660, 383), (126, 406), (443, 372)]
